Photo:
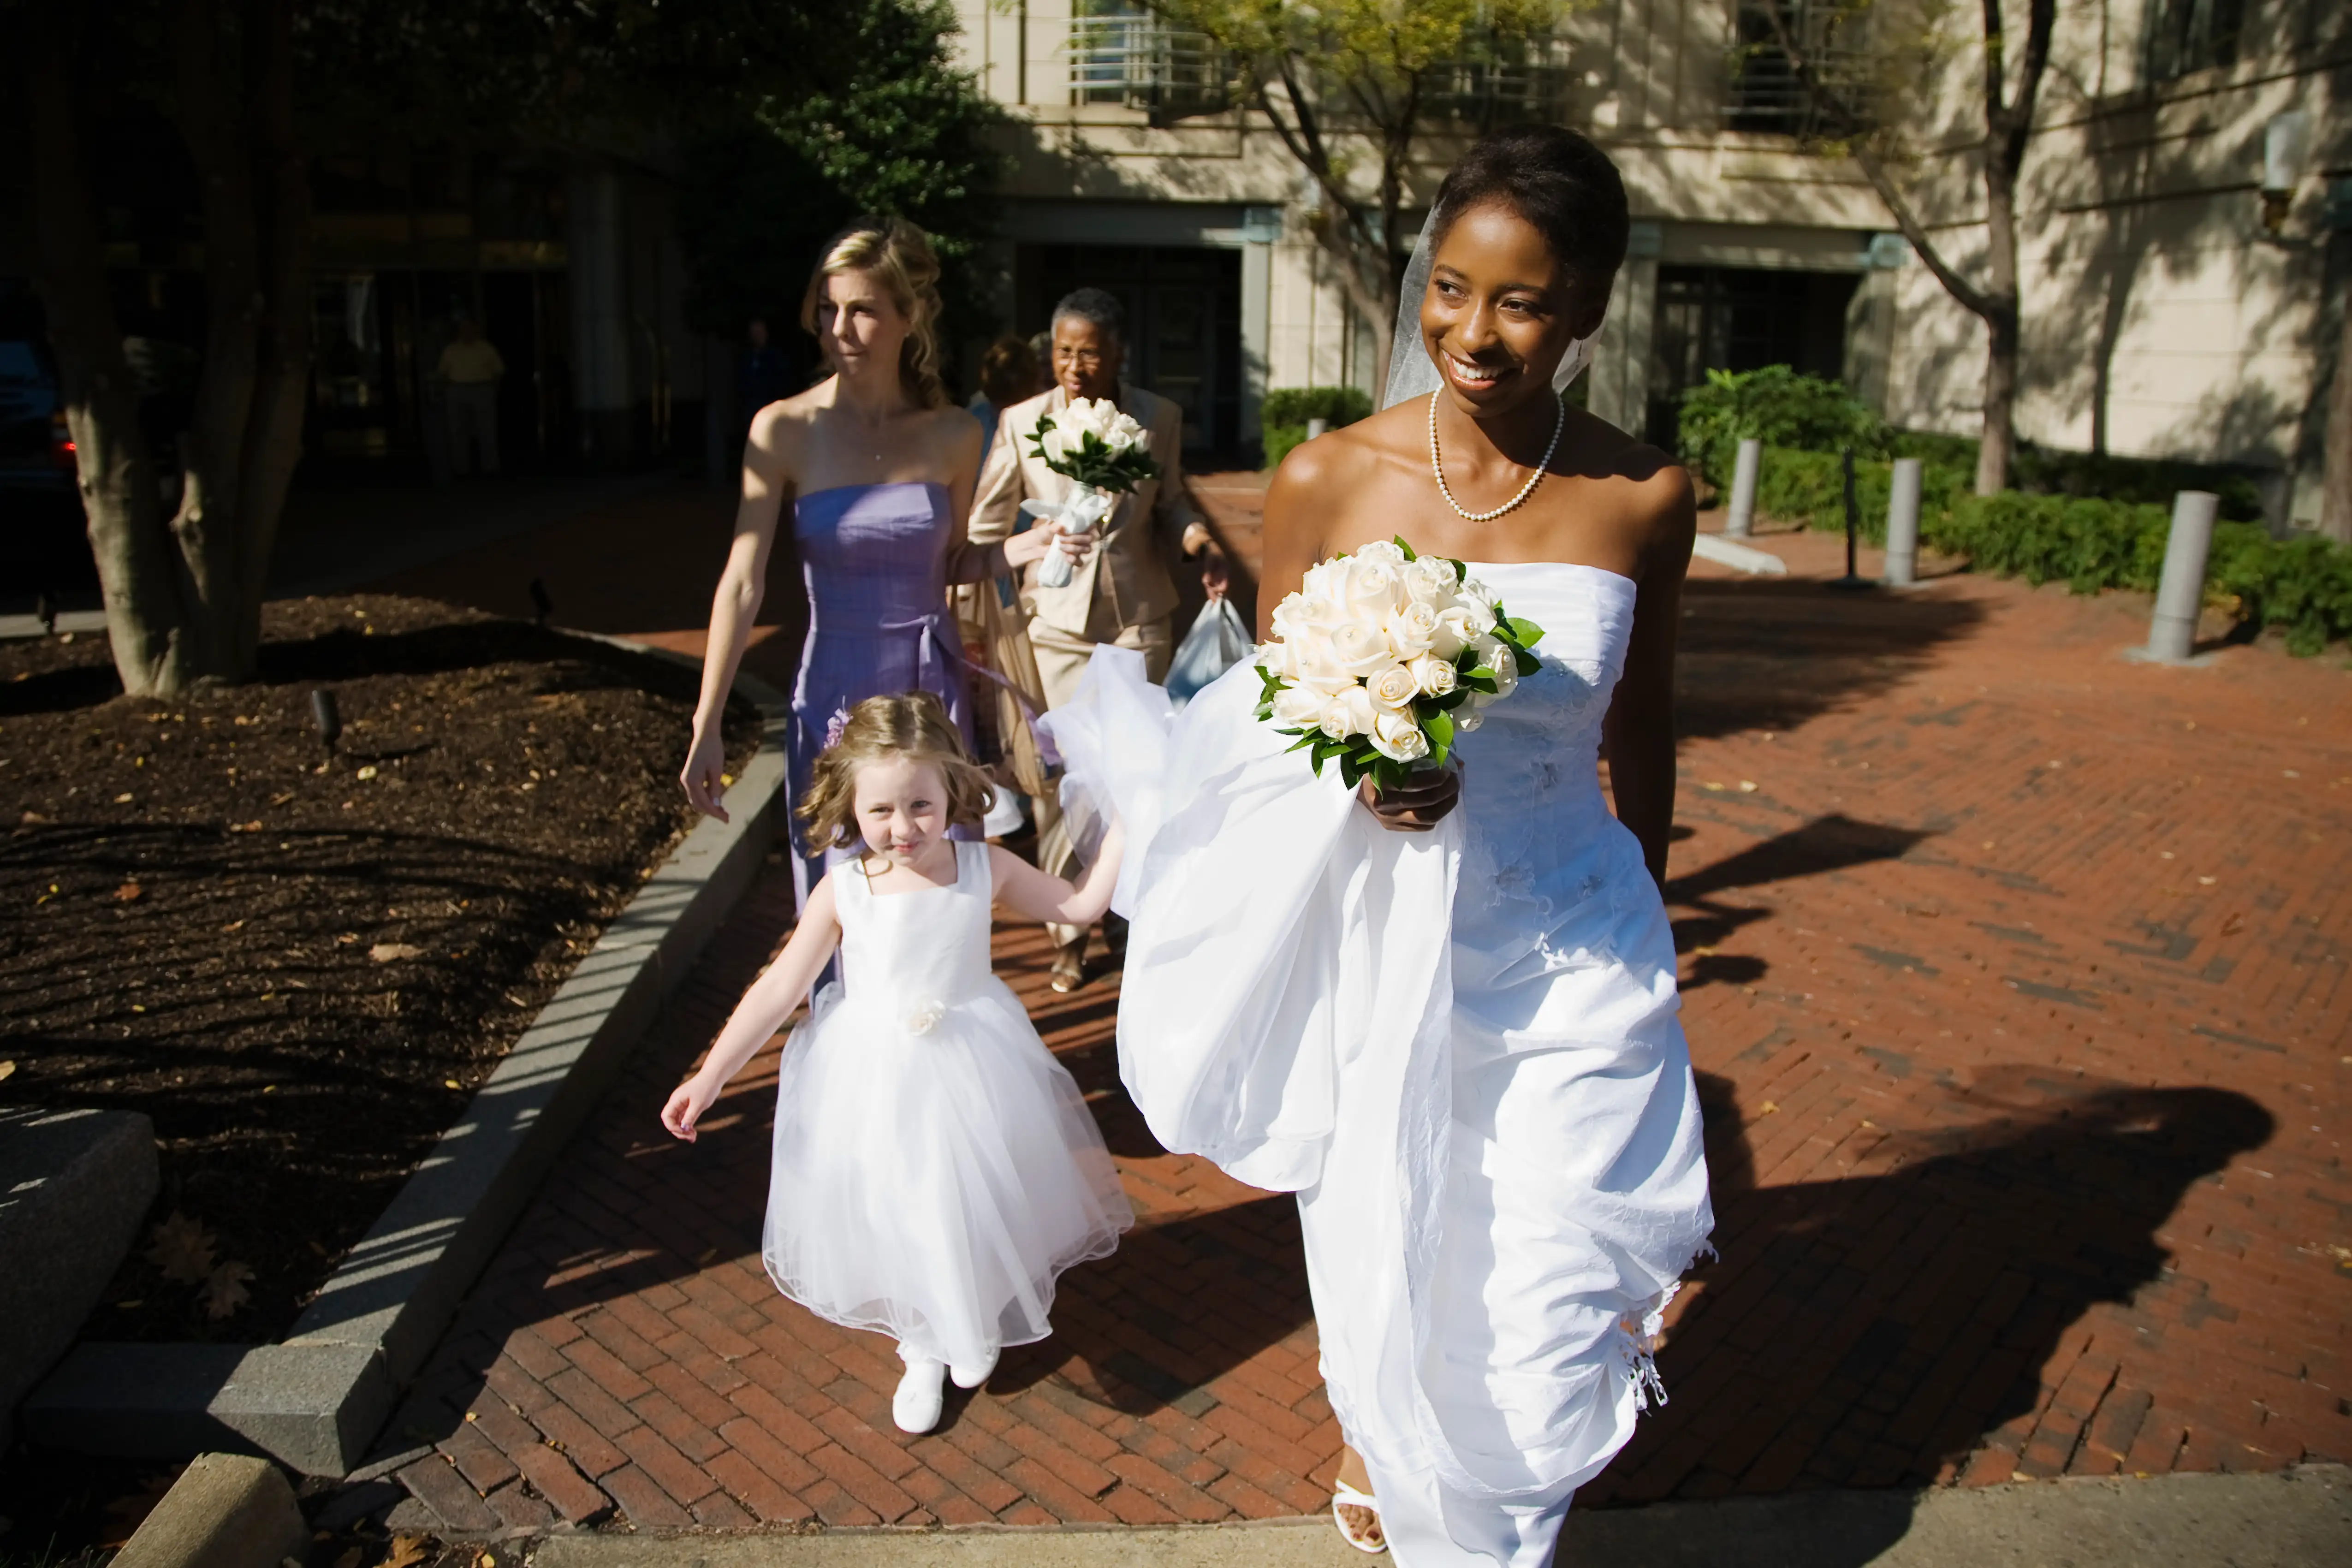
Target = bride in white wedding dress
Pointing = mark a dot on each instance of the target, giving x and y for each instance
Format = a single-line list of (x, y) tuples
[(1446, 1017)]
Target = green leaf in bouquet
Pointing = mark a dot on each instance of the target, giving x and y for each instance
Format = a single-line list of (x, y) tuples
[(1524, 634), (1398, 540), (1480, 679), (1305, 738), (1439, 728), (1461, 572)]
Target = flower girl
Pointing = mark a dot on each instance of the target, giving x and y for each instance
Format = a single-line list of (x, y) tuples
[(935, 1167)]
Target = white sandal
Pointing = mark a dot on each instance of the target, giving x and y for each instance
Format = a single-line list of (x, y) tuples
[(1345, 1495)]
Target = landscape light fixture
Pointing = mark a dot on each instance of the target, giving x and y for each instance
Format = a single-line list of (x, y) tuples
[(325, 717), (2286, 143)]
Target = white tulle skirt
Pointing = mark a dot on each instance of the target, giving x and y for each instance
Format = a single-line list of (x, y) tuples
[(931, 1185)]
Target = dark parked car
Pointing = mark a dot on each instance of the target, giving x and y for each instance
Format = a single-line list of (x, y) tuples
[(44, 544)]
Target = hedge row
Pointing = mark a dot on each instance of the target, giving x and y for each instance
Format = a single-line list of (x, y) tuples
[(1282, 416), (2302, 585)]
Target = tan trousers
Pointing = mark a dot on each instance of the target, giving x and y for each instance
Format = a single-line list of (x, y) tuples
[(1061, 660)]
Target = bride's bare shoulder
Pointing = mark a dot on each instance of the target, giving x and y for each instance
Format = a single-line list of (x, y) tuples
[(1342, 462), (1642, 492)]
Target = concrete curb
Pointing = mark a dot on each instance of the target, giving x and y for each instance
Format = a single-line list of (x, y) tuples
[(316, 1401), (225, 1511), (2285, 1520)]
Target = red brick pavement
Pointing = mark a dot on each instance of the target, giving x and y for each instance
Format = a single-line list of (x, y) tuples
[(2014, 980)]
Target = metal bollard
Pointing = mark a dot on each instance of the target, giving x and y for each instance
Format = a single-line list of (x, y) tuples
[(1902, 525), (1316, 428), (2181, 593), (1743, 489)]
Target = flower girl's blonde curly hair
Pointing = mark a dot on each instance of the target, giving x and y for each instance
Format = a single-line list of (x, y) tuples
[(912, 724), (901, 260)]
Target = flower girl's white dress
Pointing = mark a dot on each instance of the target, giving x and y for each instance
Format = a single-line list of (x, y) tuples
[(935, 1166)]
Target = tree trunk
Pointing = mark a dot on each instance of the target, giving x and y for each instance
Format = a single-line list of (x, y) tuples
[(138, 570), (184, 594), (2000, 319), (2336, 496)]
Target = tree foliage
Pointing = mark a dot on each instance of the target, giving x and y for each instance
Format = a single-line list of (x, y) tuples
[(1355, 84), (897, 131)]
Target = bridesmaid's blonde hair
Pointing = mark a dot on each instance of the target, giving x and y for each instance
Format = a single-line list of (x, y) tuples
[(910, 724), (899, 255)]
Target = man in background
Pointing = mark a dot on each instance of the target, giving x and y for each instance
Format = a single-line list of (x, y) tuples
[(470, 371), (1123, 592)]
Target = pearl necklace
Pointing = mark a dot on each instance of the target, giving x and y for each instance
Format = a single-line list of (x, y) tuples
[(1560, 422)]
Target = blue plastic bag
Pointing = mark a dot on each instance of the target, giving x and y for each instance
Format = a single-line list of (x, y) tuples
[(1217, 642)]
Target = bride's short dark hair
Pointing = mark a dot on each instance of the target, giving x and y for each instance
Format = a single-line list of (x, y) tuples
[(1558, 181)]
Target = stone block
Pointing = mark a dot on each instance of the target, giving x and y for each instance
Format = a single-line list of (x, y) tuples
[(313, 1408), (74, 1186), (225, 1511)]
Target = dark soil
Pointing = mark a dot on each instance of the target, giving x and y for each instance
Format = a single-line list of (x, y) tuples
[(301, 966)]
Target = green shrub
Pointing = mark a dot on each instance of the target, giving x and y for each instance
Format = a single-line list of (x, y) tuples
[(2302, 585), (2042, 470), (1778, 406), (1282, 416), (1809, 487)]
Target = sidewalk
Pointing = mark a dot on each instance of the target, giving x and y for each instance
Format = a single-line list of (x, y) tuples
[(2013, 976)]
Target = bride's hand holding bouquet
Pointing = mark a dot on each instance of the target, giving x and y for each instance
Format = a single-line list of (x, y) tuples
[(1378, 661), (1104, 453)]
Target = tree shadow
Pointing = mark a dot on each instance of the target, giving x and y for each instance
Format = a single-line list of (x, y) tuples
[(1773, 652), (1872, 1330)]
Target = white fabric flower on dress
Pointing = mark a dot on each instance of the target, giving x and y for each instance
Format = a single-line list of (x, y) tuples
[(925, 1018)]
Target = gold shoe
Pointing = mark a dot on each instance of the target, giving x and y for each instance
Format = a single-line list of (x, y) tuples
[(1069, 968)]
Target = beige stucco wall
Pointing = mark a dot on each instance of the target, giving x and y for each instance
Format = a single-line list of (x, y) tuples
[(2161, 319)]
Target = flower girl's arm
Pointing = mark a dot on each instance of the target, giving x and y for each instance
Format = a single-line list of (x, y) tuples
[(1026, 890), (762, 1011)]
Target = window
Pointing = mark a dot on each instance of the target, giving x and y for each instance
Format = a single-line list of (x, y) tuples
[(1121, 54), (1770, 92), (2186, 36)]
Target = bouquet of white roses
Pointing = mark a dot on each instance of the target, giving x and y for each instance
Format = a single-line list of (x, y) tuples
[(1382, 657), (1105, 452)]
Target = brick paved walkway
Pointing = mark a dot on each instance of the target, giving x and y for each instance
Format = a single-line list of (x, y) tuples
[(2015, 982)]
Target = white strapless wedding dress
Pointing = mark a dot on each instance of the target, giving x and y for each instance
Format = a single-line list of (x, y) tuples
[(1460, 1048)]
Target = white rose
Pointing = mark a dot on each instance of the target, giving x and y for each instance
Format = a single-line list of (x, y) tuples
[(1455, 627), (1278, 658), (1394, 686), (1057, 442), (1289, 617), (1412, 631), (1372, 588), (1318, 664), (1466, 718), (1478, 614), (1299, 707), (1359, 648), (1381, 549), (1125, 435), (1430, 581), (1472, 592), (1349, 712), (1496, 659), (1435, 676), (1093, 414), (1396, 736)]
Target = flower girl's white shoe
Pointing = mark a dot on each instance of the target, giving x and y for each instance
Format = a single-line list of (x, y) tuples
[(972, 1376), (916, 1406)]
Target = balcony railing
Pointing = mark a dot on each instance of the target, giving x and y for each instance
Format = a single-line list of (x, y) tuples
[(1522, 80), (1141, 62), (1768, 92)]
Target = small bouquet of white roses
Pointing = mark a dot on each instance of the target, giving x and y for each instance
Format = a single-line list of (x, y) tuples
[(1105, 452), (1382, 657)]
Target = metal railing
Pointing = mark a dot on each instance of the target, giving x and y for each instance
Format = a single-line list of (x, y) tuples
[(1767, 90), (1519, 80), (1141, 62)]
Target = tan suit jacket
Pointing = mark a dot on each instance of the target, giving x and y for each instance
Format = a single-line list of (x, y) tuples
[(1127, 580)]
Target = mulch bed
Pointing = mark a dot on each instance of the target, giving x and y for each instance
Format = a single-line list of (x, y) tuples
[(301, 966)]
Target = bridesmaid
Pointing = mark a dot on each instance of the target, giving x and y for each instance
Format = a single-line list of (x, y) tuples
[(879, 470)]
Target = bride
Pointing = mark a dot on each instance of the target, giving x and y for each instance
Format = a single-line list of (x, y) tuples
[(1445, 1016)]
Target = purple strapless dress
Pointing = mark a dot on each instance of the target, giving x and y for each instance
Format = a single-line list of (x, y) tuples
[(875, 559)]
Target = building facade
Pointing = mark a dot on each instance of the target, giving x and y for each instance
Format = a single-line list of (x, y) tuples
[(2172, 310)]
